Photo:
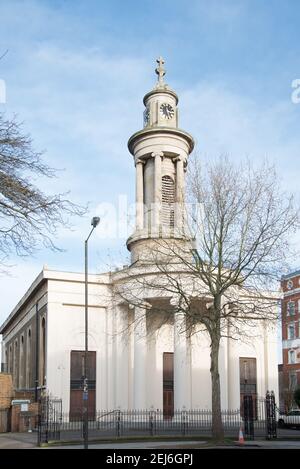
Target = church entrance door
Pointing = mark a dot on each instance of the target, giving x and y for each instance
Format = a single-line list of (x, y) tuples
[(168, 385), (76, 385)]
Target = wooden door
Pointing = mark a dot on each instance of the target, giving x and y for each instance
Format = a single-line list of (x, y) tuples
[(76, 384), (248, 381), (168, 403), (168, 385)]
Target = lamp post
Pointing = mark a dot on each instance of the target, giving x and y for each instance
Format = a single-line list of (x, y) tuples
[(85, 397)]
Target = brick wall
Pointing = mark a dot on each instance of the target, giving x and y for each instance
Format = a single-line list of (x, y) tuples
[(21, 422), (6, 390), (26, 394)]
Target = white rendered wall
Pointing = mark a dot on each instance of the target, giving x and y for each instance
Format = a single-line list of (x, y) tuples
[(115, 353), (254, 342), (201, 382), (65, 332), (164, 343)]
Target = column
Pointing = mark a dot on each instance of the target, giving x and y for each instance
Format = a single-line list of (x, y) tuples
[(179, 193), (181, 374), (223, 372), (139, 186), (121, 358), (140, 356), (157, 189)]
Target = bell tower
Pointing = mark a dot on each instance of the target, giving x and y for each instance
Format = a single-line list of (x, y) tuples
[(160, 152)]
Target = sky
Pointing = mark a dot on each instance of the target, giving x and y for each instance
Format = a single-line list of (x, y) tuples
[(75, 73)]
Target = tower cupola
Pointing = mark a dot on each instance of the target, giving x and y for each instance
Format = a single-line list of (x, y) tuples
[(160, 152)]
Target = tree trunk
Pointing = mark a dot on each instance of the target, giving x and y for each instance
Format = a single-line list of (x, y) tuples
[(217, 426)]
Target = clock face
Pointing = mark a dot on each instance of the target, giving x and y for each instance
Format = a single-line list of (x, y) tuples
[(166, 110), (146, 116)]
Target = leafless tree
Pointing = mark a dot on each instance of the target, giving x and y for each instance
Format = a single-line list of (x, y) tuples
[(222, 277), (28, 216), (287, 393)]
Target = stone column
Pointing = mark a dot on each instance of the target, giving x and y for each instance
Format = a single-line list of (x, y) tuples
[(181, 374), (140, 358), (179, 193), (139, 187), (157, 190)]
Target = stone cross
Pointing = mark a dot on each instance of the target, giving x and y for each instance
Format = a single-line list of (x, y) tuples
[(160, 71)]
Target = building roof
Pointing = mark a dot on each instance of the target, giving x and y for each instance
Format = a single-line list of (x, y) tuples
[(290, 275), (44, 276)]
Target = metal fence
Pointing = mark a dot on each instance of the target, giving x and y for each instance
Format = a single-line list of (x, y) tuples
[(117, 423), (143, 423), (257, 417)]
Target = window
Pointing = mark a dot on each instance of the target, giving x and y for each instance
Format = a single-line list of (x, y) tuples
[(168, 199), (291, 331), (29, 365), (291, 308), (292, 357), (10, 360), (22, 361), (15, 366), (43, 352), (292, 381)]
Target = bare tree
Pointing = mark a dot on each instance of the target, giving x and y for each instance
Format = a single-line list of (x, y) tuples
[(222, 279), (28, 217), (287, 393)]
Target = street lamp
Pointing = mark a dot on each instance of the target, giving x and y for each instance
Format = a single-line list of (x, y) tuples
[(85, 397)]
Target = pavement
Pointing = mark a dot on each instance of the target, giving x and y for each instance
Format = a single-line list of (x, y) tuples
[(259, 444), (28, 441), (18, 440)]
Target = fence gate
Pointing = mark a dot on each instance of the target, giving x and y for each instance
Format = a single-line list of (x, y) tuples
[(271, 426), (50, 417)]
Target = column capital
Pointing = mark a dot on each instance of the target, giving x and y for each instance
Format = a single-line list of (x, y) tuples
[(157, 153), (142, 305), (138, 161), (178, 158)]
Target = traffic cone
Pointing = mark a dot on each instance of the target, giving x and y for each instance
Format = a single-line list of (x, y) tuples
[(241, 437)]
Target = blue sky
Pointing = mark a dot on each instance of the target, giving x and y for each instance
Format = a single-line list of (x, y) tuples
[(76, 72)]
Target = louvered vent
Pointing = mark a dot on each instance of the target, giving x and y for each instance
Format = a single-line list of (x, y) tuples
[(168, 199)]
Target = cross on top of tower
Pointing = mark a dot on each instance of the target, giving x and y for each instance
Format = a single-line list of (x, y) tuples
[(160, 71)]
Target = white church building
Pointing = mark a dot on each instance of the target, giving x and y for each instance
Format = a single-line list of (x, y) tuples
[(135, 360)]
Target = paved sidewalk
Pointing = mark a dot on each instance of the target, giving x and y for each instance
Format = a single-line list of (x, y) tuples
[(28, 440), (273, 444), (186, 445), (18, 440), (138, 445)]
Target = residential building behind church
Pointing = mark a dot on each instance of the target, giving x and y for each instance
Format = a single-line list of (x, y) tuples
[(290, 321)]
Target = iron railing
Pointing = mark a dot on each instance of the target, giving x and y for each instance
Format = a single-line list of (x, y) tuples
[(257, 417), (131, 423)]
